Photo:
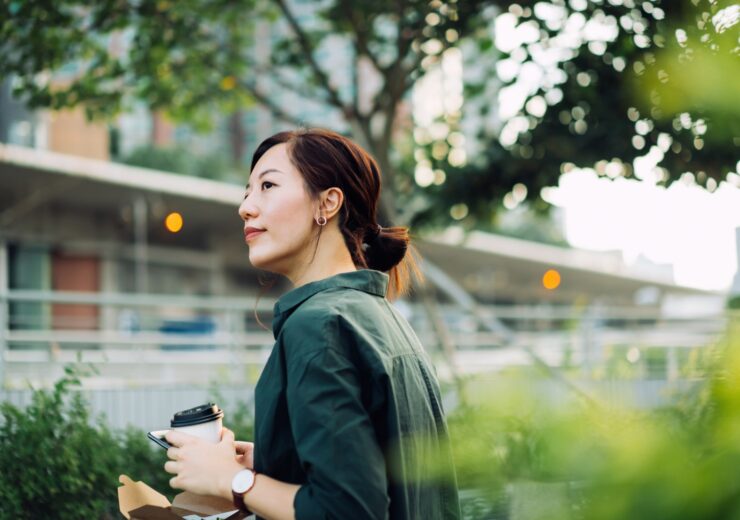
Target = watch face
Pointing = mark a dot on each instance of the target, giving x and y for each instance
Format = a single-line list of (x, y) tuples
[(242, 481)]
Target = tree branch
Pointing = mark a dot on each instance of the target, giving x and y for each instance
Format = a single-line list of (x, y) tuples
[(305, 44), (405, 37), (360, 31), (265, 101), (356, 84), (292, 86)]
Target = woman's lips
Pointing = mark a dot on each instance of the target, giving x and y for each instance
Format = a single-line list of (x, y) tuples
[(249, 235)]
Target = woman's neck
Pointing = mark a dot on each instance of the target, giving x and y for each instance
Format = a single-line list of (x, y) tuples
[(332, 257)]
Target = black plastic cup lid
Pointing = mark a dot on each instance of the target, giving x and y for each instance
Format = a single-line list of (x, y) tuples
[(198, 415)]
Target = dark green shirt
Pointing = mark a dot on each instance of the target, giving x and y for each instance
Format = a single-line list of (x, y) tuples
[(348, 407)]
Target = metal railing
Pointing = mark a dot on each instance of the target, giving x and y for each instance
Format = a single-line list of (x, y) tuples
[(174, 339), (169, 352), (149, 408)]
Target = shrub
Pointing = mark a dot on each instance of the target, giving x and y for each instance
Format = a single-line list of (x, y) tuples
[(59, 462), (678, 462), (55, 464)]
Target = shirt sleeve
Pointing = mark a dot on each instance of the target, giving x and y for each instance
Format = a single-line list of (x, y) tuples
[(333, 434)]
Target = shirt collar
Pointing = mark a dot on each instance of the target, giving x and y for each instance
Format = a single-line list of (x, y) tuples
[(366, 280)]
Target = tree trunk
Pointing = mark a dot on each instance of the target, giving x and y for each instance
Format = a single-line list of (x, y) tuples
[(236, 137)]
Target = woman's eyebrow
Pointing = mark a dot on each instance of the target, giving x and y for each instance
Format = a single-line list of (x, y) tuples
[(264, 172)]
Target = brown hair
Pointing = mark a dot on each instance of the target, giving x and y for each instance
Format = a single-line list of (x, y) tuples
[(327, 159)]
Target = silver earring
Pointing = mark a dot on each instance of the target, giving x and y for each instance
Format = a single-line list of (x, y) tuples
[(321, 221)]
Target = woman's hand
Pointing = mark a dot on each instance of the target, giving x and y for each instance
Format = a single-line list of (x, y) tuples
[(245, 454), (202, 467)]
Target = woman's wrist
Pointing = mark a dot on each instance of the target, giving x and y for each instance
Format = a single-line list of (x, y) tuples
[(228, 478)]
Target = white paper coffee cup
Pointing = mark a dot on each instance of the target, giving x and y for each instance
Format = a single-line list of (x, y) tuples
[(204, 421)]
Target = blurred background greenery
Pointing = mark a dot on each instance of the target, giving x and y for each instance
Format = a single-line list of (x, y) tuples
[(541, 87), (61, 461), (586, 459), (520, 454), (473, 108)]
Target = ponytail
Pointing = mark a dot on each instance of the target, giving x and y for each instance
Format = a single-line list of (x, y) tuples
[(390, 250)]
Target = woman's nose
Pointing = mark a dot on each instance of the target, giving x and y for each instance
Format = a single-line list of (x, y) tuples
[(247, 209)]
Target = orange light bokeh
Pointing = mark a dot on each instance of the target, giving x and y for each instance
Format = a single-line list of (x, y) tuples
[(173, 222), (551, 279)]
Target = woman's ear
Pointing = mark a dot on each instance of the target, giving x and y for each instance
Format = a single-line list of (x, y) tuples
[(331, 201)]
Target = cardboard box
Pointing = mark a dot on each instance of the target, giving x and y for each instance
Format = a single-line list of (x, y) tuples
[(137, 501)]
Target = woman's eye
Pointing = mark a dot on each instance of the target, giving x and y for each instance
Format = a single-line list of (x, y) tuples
[(267, 185)]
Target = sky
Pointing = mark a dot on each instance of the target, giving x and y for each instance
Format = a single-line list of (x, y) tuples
[(683, 225)]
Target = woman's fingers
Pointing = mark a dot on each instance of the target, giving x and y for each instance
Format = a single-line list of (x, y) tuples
[(226, 434), (243, 447), (177, 439), (245, 453), (200, 467)]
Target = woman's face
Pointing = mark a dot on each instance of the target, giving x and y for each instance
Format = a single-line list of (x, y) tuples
[(278, 214)]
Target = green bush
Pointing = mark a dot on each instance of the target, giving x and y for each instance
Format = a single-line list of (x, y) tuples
[(679, 462), (56, 461), (55, 464)]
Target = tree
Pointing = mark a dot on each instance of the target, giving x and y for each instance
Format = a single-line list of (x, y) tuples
[(193, 56), (620, 80), (175, 56)]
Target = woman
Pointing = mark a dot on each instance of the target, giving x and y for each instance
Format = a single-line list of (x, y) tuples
[(348, 418)]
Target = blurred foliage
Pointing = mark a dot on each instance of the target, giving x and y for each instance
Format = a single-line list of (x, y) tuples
[(179, 56), (58, 461), (56, 464), (604, 462), (618, 80), (526, 224), (697, 71), (615, 85), (520, 453), (195, 59), (215, 165)]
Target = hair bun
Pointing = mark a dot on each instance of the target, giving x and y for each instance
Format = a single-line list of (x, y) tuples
[(372, 234), (386, 248)]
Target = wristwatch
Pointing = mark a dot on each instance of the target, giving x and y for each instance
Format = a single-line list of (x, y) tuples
[(240, 486)]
